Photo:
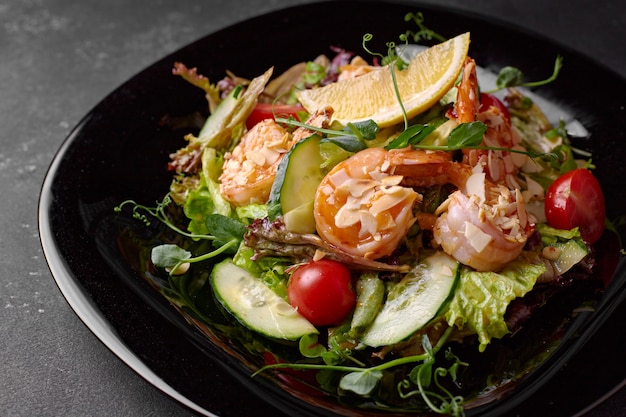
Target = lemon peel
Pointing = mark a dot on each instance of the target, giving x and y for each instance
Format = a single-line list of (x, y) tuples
[(429, 76)]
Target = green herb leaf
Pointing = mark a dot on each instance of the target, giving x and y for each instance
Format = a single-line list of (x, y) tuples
[(509, 77), (348, 143), (565, 160), (361, 383), (168, 256), (225, 229), (457, 362), (366, 130), (466, 135), (413, 135), (422, 374), (513, 77)]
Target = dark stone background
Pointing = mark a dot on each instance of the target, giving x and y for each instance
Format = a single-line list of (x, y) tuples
[(59, 58)]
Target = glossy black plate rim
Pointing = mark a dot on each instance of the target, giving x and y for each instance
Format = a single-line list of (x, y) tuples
[(81, 303), (80, 300)]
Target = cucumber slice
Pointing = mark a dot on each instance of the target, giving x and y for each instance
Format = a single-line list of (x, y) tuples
[(297, 177), (255, 305), (572, 252), (414, 301), (222, 112), (300, 219)]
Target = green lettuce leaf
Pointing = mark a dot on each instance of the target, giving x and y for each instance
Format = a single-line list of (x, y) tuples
[(251, 212), (270, 269), (481, 298), (550, 235), (201, 203), (206, 199)]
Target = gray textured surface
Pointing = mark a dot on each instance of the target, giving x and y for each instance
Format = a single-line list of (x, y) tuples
[(58, 58)]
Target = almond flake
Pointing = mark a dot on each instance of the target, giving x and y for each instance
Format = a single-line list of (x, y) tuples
[(476, 237), (358, 187), (519, 159), (256, 157), (369, 225), (521, 208), (319, 254), (378, 175), (270, 155), (339, 177), (385, 202), (551, 253), (394, 189), (391, 180), (494, 167), (475, 185), (347, 217)]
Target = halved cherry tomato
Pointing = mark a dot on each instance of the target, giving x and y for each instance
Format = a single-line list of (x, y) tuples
[(264, 111), (322, 292), (575, 199), (487, 100)]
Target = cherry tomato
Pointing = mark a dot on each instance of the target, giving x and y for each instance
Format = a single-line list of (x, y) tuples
[(487, 100), (322, 292), (575, 199), (264, 111)]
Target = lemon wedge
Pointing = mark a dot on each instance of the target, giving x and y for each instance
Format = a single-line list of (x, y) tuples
[(429, 76)]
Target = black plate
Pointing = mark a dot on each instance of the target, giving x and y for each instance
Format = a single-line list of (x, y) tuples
[(120, 150)]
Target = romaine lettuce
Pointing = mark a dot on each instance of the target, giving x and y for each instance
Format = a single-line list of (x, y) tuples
[(481, 298)]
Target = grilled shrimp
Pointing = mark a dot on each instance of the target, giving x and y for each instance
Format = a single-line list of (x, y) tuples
[(250, 169), (500, 166), (364, 206), (483, 225), (483, 234), (361, 209)]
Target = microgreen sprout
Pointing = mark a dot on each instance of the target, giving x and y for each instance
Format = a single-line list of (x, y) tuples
[(393, 60), (464, 136), (174, 259), (227, 234), (424, 33), (144, 213), (351, 138), (424, 376), (363, 380), (513, 77)]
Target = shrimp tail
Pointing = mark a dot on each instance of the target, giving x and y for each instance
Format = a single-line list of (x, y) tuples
[(467, 104)]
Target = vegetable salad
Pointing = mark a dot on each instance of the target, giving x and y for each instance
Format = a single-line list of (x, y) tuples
[(365, 247)]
